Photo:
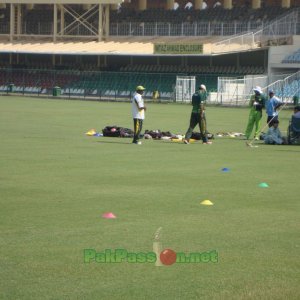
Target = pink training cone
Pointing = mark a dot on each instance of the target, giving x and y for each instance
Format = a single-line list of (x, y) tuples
[(109, 215)]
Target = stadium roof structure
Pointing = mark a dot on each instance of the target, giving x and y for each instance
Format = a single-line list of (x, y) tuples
[(77, 48), (146, 46)]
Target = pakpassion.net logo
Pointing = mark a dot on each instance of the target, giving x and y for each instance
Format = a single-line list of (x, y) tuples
[(165, 257)]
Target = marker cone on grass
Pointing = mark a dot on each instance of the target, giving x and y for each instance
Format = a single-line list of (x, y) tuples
[(225, 170), (263, 185), (206, 202), (109, 215), (91, 132)]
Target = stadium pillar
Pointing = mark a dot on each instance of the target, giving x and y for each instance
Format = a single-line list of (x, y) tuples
[(19, 19), (103, 22), (256, 4), (12, 22), (198, 4), (228, 4), (54, 22), (100, 23), (170, 4), (142, 4), (286, 3), (107, 20), (62, 19)]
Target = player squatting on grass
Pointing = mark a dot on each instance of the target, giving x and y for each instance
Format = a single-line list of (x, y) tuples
[(121, 255)]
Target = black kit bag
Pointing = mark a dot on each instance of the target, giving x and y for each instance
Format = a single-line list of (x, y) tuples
[(111, 131), (198, 136), (116, 131)]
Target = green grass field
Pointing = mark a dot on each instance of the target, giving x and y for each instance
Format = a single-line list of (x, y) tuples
[(56, 182)]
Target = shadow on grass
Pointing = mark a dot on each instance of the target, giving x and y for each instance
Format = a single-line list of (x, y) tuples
[(115, 142), (156, 141), (292, 149)]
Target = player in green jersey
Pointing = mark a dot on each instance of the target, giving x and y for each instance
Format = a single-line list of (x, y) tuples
[(257, 103), (198, 115)]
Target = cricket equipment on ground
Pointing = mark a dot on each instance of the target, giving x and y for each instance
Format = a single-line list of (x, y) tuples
[(116, 131)]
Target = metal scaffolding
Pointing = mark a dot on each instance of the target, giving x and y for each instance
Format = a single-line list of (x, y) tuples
[(93, 17)]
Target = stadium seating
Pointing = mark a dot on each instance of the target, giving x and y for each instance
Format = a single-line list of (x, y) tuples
[(292, 58), (124, 83), (195, 69), (161, 78), (35, 81), (211, 14), (288, 90), (121, 83), (4, 21), (39, 20)]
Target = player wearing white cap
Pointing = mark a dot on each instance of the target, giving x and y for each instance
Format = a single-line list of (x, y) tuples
[(257, 103)]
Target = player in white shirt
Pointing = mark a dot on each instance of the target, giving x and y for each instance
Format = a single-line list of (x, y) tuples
[(138, 113)]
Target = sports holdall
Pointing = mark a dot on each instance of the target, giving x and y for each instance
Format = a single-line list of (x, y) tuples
[(116, 131)]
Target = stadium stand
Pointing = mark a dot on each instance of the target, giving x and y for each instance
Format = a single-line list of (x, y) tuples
[(244, 14), (39, 19), (221, 70), (292, 58), (289, 89), (35, 81), (4, 21), (114, 66)]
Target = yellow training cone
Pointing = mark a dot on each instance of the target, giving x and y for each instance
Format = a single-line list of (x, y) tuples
[(206, 202), (91, 132)]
